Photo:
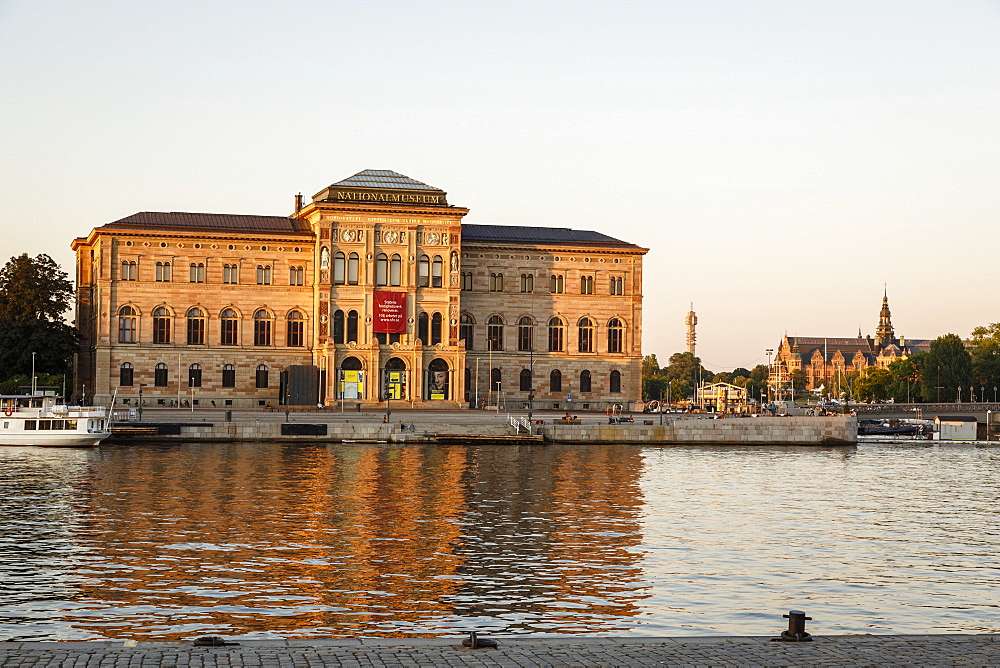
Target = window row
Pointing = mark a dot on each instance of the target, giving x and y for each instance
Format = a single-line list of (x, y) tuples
[(196, 273), (196, 321), (388, 269), (586, 329), (556, 384), (161, 375), (557, 283)]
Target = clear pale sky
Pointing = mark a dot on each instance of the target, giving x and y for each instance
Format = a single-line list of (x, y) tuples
[(783, 161)]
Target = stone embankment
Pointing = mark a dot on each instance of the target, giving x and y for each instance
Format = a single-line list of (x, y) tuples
[(835, 430), (570, 650)]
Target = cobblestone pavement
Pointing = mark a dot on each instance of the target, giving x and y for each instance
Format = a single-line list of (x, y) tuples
[(854, 650)]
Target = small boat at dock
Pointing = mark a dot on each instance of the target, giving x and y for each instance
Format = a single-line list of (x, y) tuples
[(41, 420)]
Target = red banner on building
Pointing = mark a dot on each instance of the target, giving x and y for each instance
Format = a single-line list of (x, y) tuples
[(390, 312)]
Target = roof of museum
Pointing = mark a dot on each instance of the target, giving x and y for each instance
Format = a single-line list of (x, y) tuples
[(147, 220), (514, 234), (383, 178), (223, 222)]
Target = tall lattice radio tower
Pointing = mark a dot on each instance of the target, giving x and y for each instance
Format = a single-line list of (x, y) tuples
[(691, 321)]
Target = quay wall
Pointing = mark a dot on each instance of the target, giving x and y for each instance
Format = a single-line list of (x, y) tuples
[(834, 430)]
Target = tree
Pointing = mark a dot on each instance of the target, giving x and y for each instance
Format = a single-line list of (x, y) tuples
[(653, 381), (34, 295), (905, 383), (946, 367), (986, 355), (873, 385), (684, 370)]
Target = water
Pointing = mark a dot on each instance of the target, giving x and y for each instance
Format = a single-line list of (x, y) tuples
[(280, 541)]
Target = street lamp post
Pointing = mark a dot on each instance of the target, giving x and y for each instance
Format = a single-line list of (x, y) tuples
[(531, 383), (34, 384), (141, 385), (959, 394)]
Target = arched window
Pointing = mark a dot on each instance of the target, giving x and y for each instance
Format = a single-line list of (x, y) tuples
[(556, 335), (557, 284), (160, 375), (194, 375), (195, 326), (352, 326), (128, 270), (496, 282), (617, 285), (125, 374), (294, 329), (263, 274), (525, 333), (494, 333), (525, 378), (127, 324), (586, 285), (197, 274), (163, 271), (261, 328), (396, 270), (527, 282), (228, 375), (467, 280), (296, 275), (229, 335), (466, 330), (353, 262), (230, 273), (338, 326), (424, 272), (382, 269), (585, 381), (437, 272), (496, 379), (615, 381), (423, 328), (161, 325), (616, 332), (436, 323), (260, 377), (555, 381), (339, 268), (585, 340)]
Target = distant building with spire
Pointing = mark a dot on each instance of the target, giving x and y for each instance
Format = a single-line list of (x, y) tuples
[(828, 361)]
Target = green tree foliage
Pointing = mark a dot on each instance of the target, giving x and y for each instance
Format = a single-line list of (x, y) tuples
[(873, 385), (948, 365), (905, 384), (34, 295), (986, 356), (684, 371)]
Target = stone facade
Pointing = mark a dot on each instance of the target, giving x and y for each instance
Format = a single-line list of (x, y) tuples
[(829, 362), (211, 309)]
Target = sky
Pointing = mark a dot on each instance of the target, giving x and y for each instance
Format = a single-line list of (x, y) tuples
[(784, 161)]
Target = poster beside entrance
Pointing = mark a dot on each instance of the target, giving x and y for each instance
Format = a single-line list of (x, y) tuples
[(395, 384), (352, 384)]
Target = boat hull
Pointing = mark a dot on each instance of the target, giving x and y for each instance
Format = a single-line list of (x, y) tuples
[(63, 440)]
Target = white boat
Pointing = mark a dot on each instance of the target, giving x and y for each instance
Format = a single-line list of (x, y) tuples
[(39, 420)]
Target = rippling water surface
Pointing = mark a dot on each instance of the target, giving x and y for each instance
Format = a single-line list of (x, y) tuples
[(269, 540)]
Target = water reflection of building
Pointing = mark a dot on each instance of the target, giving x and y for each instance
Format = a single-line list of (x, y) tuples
[(378, 276), (300, 541)]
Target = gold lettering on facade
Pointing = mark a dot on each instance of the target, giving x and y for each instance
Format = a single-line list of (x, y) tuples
[(388, 197)]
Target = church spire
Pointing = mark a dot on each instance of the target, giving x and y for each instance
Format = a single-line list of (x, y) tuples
[(884, 334)]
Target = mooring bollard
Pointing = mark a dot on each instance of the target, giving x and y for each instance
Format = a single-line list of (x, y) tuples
[(796, 627)]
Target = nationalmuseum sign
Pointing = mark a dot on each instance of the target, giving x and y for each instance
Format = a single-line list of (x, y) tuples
[(382, 196)]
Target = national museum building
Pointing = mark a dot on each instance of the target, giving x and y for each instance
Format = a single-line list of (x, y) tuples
[(375, 290)]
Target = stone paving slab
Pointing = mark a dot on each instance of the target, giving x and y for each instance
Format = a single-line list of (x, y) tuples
[(846, 650)]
